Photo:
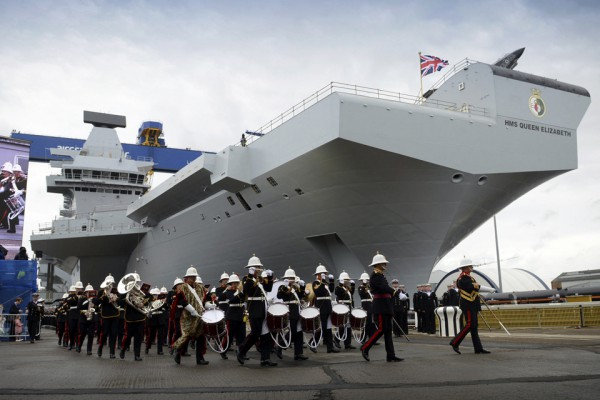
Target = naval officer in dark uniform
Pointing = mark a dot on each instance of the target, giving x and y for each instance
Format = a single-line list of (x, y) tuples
[(382, 310)]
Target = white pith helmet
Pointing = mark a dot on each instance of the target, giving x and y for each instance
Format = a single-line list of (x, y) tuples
[(191, 271), (7, 167), (78, 285), (65, 295), (233, 278), (88, 288), (254, 262), (109, 279), (364, 275), (213, 290), (178, 281), (290, 274), (224, 275), (378, 259), (320, 270), (263, 274), (199, 280), (344, 276), (72, 288), (17, 168), (465, 262), (163, 290), (155, 291)]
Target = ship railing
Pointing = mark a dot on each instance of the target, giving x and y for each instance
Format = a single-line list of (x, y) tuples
[(367, 92), (463, 64)]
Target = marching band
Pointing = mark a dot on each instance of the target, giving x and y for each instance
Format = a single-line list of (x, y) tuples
[(281, 313)]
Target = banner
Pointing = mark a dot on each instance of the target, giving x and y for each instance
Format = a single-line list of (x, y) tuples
[(14, 162)]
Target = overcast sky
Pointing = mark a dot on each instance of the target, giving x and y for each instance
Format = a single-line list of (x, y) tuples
[(209, 70)]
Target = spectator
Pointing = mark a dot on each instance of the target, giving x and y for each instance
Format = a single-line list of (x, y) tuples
[(22, 255), (18, 327), (12, 314)]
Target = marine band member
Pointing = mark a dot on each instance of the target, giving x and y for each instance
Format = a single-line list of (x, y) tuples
[(470, 306), (382, 310), (291, 293), (190, 297), (256, 288), (322, 301)]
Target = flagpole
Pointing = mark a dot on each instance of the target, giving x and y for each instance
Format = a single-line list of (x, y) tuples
[(420, 77)]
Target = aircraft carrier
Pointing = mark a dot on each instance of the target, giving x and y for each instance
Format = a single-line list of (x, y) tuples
[(343, 174)]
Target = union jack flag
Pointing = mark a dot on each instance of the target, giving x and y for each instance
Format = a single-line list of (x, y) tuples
[(431, 64)]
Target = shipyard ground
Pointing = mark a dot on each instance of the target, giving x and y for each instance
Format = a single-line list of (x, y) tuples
[(529, 364)]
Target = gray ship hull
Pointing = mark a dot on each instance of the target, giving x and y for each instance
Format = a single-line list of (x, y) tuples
[(342, 176), (355, 175)]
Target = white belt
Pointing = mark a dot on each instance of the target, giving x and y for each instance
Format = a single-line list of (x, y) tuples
[(157, 312), (73, 308), (363, 300), (324, 298), (236, 305), (344, 301), (179, 306), (291, 302), (224, 302), (256, 298)]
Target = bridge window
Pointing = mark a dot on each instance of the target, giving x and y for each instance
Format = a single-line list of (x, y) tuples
[(255, 188)]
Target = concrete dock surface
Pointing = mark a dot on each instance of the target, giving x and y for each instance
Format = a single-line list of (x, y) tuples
[(528, 364)]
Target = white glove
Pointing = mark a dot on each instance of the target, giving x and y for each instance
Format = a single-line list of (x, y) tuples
[(18, 193), (365, 281), (302, 283), (323, 276), (330, 277), (307, 291), (403, 296), (341, 280), (269, 272), (286, 281), (352, 282), (251, 270), (191, 310)]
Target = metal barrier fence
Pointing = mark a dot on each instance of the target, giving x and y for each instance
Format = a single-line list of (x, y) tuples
[(543, 315), (13, 327)]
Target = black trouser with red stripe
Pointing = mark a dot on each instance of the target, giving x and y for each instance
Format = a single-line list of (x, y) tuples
[(470, 316), (384, 327), (135, 331), (110, 327)]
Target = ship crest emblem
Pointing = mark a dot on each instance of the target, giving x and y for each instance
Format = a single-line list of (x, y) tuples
[(536, 104)]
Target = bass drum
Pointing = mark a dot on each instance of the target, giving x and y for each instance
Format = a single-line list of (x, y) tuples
[(339, 315), (358, 318), (278, 317), (214, 323), (310, 319)]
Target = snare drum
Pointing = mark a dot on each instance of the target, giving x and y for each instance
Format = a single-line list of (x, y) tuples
[(339, 315), (358, 318), (277, 317), (214, 323), (310, 319)]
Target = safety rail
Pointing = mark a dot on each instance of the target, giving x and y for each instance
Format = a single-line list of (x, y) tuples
[(463, 64), (12, 330), (542, 315), (340, 87)]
